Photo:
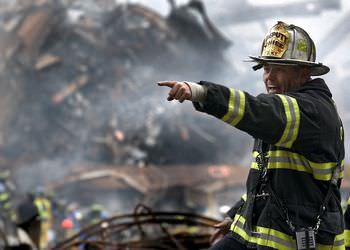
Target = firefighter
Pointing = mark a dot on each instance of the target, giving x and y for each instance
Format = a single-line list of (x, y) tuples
[(96, 214), (292, 196), (13, 237), (29, 221), (43, 205), (347, 225), (7, 229), (7, 212), (6, 188)]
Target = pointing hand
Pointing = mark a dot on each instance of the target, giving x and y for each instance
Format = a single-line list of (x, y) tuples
[(179, 90)]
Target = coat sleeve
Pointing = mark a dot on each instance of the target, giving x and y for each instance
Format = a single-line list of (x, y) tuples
[(276, 119)]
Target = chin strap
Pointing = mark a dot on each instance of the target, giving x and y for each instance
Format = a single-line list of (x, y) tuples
[(256, 67)]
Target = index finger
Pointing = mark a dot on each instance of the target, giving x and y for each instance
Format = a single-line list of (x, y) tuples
[(167, 83)]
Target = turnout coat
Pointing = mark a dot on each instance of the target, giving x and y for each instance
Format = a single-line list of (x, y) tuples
[(301, 135)]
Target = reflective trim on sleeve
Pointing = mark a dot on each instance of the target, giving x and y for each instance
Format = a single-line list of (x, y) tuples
[(244, 197), (292, 112), (341, 133), (236, 107), (281, 159), (272, 238)]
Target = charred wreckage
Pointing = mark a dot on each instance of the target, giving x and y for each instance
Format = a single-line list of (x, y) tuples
[(83, 81), (80, 113)]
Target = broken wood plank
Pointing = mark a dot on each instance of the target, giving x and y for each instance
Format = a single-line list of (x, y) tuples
[(35, 30), (46, 61), (70, 89)]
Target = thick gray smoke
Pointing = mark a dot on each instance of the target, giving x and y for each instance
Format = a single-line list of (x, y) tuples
[(121, 95)]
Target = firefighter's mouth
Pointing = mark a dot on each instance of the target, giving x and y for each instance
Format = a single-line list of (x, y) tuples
[(272, 89)]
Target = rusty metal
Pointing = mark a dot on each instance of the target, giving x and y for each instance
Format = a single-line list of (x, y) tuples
[(145, 229)]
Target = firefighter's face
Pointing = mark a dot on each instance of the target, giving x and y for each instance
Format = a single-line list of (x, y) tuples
[(280, 79)]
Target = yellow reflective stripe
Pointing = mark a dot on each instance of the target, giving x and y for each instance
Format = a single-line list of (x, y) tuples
[(341, 133), (240, 231), (253, 164), (263, 236), (272, 238), (292, 112), (339, 244), (4, 196), (244, 197), (4, 174), (349, 201), (347, 237), (6, 205), (241, 108), (341, 174), (280, 159), (44, 207), (47, 204), (229, 106), (236, 107), (275, 239)]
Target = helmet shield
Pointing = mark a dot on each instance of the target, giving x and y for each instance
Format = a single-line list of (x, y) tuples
[(276, 42), (291, 45)]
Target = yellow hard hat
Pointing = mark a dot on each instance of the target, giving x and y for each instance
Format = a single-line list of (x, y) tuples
[(291, 45)]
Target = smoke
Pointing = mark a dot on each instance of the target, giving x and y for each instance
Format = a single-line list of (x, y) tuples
[(121, 94)]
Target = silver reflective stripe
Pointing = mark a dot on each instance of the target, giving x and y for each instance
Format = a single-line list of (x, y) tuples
[(261, 235), (292, 113), (281, 159), (235, 107), (293, 120), (338, 243), (270, 237), (301, 163)]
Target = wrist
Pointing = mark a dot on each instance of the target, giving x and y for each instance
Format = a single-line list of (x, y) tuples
[(198, 92)]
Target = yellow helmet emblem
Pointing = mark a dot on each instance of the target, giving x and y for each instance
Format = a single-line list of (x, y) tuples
[(276, 41)]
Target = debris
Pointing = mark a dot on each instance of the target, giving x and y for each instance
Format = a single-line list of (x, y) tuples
[(34, 31), (153, 148), (45, 61), (148, 230), (70, 89), (11, 24), (61, 114)]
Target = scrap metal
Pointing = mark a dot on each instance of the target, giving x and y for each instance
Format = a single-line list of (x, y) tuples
[(145, 229)]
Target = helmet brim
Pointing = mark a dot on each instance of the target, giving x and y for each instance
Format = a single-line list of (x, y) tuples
[(317, 69)]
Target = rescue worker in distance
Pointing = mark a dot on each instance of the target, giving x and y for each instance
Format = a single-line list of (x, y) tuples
[(292, 198), (347, 225)]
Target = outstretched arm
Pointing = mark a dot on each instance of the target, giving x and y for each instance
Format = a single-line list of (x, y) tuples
[(182, 91)]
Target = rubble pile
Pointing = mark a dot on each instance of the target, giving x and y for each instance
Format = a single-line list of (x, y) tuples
[(82, 85)]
